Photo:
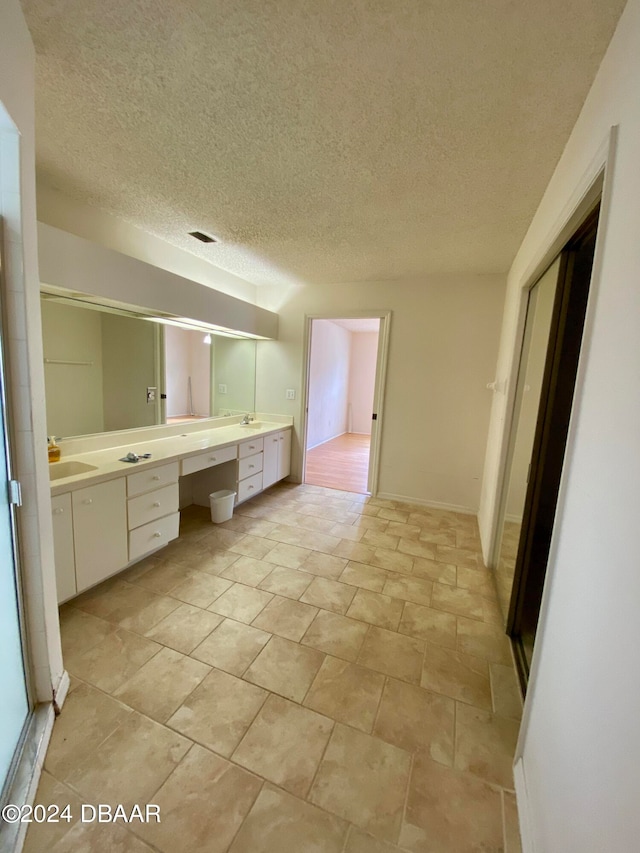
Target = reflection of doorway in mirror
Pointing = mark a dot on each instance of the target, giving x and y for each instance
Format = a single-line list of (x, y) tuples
[(187, 375)]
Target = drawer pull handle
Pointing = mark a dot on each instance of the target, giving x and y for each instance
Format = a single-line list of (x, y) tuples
[(87, 501), (58, 511), (212, 458), (157, 534), (155, 477), (250, 487), (252, 447), (156, 503), (252, 466)]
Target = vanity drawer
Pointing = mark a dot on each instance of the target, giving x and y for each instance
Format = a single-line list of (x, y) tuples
[(153, 535), (249, 487), (208, 459), (249, 466), (152, 505), (248, 448), (152, 478)]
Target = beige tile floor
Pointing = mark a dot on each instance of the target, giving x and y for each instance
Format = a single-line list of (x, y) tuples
[(324, 673)]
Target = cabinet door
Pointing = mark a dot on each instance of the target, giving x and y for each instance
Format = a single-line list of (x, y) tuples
[(100, 531), (63, 547), (270, 460), (284, 455)]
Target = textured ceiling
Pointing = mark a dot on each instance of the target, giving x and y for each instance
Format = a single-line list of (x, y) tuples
[(321, 140)]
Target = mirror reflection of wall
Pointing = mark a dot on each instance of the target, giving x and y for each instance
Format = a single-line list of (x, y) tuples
[(233, 370), (527, 403), (100, 362), (98, 366)]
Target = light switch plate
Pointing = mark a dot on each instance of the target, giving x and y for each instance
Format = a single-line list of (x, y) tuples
[(222, 389), (151, 394), (290, 394)]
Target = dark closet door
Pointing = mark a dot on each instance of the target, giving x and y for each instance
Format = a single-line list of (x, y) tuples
[(550, 440)]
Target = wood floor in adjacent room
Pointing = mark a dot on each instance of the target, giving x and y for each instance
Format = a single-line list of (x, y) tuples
[(342, 463)]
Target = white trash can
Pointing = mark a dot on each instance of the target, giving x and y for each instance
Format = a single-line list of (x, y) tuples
[(221, 505)]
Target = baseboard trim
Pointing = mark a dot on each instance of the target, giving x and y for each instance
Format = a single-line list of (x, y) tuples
[(60, 693), (325, 440), (25, 783), (464, 510), (524, 818)]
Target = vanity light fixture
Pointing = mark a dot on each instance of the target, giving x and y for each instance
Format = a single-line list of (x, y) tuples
[(207, 328), (207, 339)]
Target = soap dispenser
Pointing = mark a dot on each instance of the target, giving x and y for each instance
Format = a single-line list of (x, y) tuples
[(53, 449)]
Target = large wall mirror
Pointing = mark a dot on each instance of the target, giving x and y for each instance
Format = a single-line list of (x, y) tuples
[(527, 403), (112, 368)]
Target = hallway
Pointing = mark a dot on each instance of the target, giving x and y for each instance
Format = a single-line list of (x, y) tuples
[(342, 463), (324, 672)]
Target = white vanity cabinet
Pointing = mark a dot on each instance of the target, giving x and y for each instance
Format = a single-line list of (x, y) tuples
[(208, 460), (99, 531), (153, 517), (277, 457), (63, 547), (250, 462), (284, 454)]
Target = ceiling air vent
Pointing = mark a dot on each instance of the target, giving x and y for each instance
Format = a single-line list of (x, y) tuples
[(204, 238)]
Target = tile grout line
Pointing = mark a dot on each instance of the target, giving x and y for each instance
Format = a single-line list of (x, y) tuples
[(393, 574), (379, 705), (406, 798), (504, 820)]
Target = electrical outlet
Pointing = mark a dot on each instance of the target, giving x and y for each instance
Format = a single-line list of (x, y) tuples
[(290, 394), (151, 394), (222, 389)]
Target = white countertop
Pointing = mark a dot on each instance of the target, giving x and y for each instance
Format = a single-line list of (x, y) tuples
[(169, 449)]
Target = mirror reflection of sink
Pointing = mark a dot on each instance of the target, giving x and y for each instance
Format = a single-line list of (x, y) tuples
[(58, 470), (252, 425)]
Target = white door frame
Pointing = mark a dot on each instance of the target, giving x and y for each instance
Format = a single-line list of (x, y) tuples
[(378, 394)]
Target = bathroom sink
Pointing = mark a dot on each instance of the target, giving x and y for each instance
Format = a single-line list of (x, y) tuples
[(252, 425), (57, 470)]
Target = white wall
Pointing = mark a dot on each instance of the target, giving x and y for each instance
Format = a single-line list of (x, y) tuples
[(97, 225), (580, 741), (74, 391), (235, 367), (176, 359), (443, 345), (329, 363), (75, 263), (24, 342), (129, 367), (186, 355), (200, 374), (362, 379)]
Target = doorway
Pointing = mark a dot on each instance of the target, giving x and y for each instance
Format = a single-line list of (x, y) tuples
[(546, 381), (346, 357), (15, 708)]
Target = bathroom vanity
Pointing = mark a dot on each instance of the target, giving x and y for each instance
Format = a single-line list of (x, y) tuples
[(108, 514)]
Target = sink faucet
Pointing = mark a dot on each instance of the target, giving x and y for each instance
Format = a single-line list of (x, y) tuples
[(246, 419)]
